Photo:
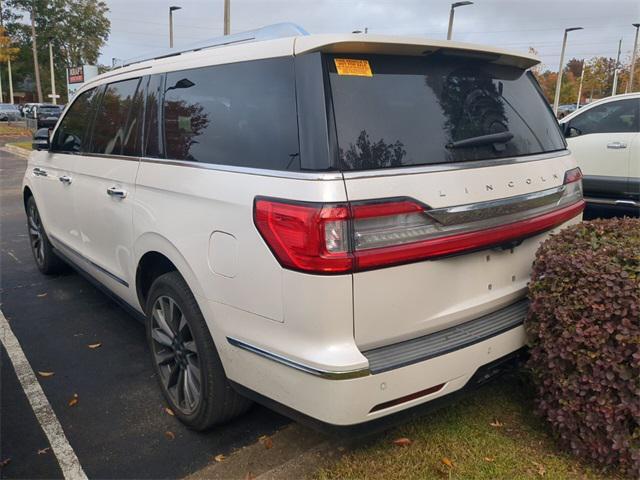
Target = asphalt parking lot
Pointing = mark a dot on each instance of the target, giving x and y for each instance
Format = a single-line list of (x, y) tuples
[(119, 427)]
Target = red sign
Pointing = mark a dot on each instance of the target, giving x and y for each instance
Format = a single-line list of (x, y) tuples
[(76, 74)]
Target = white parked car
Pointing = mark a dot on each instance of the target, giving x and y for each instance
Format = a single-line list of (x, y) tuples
[(604, 138), (340, 226)]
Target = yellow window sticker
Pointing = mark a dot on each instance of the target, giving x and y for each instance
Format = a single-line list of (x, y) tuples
[(352, 66)]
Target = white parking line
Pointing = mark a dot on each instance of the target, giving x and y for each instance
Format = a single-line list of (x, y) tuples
[(67, 459)]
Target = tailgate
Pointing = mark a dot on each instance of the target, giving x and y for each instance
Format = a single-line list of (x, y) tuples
[(405, 301)]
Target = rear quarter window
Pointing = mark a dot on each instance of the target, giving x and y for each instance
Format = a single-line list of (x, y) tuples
[(241, 114), (412, 110)]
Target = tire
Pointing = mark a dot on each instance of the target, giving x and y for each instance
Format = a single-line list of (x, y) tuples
[(46, 260), (185, 359)]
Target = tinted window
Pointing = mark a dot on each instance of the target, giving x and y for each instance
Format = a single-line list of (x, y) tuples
[(117, 124), (71, 133), (153, 117), (412, 110), (241, 114), (619, 116)]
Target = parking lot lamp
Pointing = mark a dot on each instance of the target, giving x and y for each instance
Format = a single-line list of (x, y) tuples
[(171, 10), (556, 100), (453, 7), (633, 59), (580, 87)]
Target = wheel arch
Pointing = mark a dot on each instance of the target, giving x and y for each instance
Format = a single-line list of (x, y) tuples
[(156, 255)]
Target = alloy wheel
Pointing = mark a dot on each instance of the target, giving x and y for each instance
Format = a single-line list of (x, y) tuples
[(35, 234), (176, 354)]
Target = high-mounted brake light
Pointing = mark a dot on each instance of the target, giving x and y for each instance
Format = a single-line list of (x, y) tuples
[(343, 238)]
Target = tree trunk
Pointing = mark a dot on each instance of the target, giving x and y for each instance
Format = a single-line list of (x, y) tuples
[(34, 46)]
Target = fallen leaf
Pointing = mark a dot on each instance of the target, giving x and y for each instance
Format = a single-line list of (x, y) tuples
[(74, 400), (489, 459), (402, 442), (42, 451), (541, 470), (46, 374), (93, 346), (40, 295), (249, 476), (169, 435), (169, 411), (447, 462), (5, 462), (497, 423), (219, 458), (267, 442)]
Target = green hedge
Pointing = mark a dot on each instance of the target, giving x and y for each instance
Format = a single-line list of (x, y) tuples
[(584, 332)]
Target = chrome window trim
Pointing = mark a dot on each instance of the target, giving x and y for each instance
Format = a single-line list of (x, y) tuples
[(86, 260), (327, 374), (446, 167), (248, 170)]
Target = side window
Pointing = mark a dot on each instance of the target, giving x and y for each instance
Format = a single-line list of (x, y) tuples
[(241, 114), (117, 125), (71, 135), (153, 121), (619, 116)]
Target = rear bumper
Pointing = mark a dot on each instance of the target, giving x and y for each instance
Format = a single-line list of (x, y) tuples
[(380, 391)]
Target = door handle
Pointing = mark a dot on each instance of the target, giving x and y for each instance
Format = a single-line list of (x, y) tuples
[(616, 145), (116, 192), (39, 172), (66, 179)]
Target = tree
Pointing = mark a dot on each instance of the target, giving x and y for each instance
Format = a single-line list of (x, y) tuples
[(575, 67), (77, 30)]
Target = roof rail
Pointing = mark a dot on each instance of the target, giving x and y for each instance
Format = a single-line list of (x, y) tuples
[(270, 32)]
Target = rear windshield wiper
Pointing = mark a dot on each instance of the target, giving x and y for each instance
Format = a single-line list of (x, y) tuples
[(501, 137)]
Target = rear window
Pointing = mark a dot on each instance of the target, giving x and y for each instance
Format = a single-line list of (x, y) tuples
[(394, 111)]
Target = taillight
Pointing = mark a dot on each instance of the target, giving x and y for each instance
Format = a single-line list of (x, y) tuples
[(356, 236), (304, 236)]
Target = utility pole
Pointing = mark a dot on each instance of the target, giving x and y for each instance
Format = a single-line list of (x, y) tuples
[(633, 59), (580, 87), (171, 10), (615, 71), (556, 100), (34, 47), (53, 77), (227, 17), (451, 13)]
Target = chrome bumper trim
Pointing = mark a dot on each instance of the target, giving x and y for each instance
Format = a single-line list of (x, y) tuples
[(327, 374), (423, 348)]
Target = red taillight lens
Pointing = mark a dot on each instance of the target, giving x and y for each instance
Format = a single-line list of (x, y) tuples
[(343, 238), (305, 236), (572, 175)]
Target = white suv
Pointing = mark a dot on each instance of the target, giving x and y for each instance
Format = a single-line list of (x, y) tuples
[(604, 137), (341, 226)]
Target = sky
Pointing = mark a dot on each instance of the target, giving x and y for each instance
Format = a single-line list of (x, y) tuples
[(141, 26)]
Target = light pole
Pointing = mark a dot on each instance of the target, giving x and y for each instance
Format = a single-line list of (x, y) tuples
[(614, 89), (633, 59), (453, 7), (580, 87), (53, 78), (227, 17), (171, 10), (556, 100)]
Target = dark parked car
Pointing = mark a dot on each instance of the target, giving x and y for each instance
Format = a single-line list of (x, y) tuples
[(9, 112), (47, 115)]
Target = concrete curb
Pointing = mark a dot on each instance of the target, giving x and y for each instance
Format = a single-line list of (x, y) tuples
[(20, 152), (295, 453)]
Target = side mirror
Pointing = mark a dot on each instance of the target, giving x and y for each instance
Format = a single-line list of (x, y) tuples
[(41, 139), (570, 131)]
